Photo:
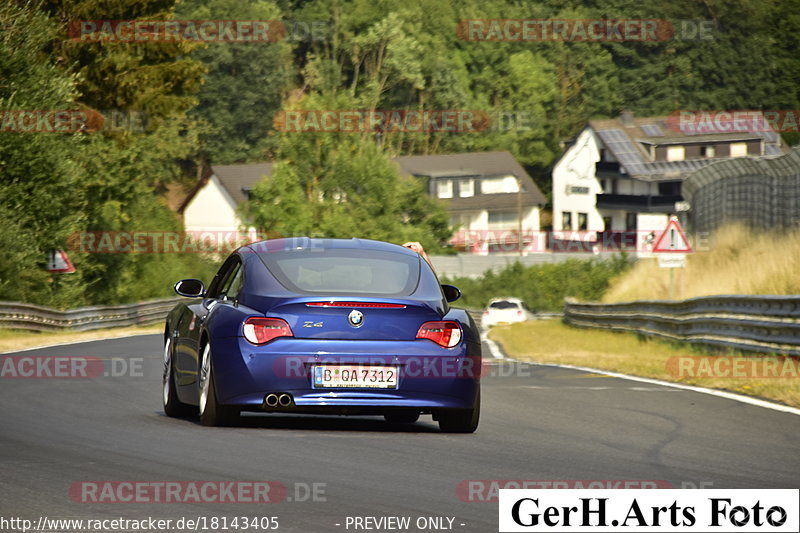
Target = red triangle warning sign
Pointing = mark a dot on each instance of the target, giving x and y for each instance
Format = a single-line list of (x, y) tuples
[(673, 239), (57, 261)]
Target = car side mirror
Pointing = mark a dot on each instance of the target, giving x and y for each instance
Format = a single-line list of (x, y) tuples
[(451, 294), (191, 288)]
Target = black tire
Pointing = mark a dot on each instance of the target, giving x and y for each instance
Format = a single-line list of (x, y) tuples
[(461, 420), (212, 413), (169, 393), (401, 417)]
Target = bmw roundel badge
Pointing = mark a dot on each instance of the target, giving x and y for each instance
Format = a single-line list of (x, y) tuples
[(356, 318)]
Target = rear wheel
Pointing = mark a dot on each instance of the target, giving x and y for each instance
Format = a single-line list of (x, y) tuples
[(211, 412), (401, 417), (172, 405), (461, 420)]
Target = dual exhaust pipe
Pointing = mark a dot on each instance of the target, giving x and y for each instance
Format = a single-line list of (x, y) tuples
[(274, 399)]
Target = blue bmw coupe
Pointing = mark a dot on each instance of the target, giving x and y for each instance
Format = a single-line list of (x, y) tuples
[(322, 326)]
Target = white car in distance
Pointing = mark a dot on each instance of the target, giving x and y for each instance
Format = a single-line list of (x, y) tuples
[(504, 311)]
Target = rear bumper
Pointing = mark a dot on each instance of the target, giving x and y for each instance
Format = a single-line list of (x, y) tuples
[(429, 377)]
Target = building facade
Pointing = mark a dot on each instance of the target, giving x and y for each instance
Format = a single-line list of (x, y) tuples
[(493, 202), (620, 179), (489, 196)]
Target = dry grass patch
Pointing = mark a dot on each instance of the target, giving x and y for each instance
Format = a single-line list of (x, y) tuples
[(551, 341), (14, 340), (739, 262)]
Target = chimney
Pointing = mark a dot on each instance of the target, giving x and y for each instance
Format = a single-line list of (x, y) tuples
[(626, 117)]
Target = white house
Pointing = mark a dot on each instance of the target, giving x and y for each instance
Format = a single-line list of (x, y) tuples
[(212, 203), (489, 196), (620, 179)]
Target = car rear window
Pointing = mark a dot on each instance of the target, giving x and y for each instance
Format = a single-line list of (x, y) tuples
[(344, 271), (504, 304)]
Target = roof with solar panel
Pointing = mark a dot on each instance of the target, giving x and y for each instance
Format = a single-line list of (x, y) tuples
[(629, 139)]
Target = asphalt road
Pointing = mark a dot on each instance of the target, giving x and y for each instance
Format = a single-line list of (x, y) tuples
[(538, 423)]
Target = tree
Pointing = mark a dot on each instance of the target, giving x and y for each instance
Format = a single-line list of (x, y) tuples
[(40, 197), (124, 169), (340, 185), (244, 83)]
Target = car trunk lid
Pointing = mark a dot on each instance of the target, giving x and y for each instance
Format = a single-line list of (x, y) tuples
[(355, 318)]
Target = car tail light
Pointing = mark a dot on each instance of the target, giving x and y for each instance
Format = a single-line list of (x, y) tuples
[(258, 330), (519, 313), (445, 334)]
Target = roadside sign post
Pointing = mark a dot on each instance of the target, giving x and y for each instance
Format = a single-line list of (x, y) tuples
[(671, 248), (57, 261)]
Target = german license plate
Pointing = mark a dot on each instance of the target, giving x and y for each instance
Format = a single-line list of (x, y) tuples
[(355, 376)]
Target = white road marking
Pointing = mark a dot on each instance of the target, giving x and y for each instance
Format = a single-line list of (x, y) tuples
[(713, 392), (638, 389), (494, 349)]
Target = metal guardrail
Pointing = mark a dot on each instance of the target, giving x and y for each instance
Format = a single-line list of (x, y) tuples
[(751, 323), (37, 318)]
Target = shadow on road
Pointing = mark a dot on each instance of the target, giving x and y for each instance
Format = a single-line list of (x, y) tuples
[(321, 423)]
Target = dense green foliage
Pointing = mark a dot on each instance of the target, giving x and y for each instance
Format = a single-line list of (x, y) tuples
[(340, 185), (244, 84), (542, 287), (54, 186), (215, 103)]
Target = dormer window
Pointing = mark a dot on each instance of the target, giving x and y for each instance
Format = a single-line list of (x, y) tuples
[(676, 153), (466, 188), (444, 188), (738, 149), (500, 185)]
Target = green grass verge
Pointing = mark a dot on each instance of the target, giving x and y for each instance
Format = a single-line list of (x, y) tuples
[(552, 341), (12, 339)]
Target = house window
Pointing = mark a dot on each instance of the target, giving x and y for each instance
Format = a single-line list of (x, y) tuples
[(566, 221), (499, 185), (707, 151), (460, 221), (738, 149), (676, 153), (466, 188), (607, 224), (583, 221), (444, 188), (630, 221), (669, 188), (502, 219)]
